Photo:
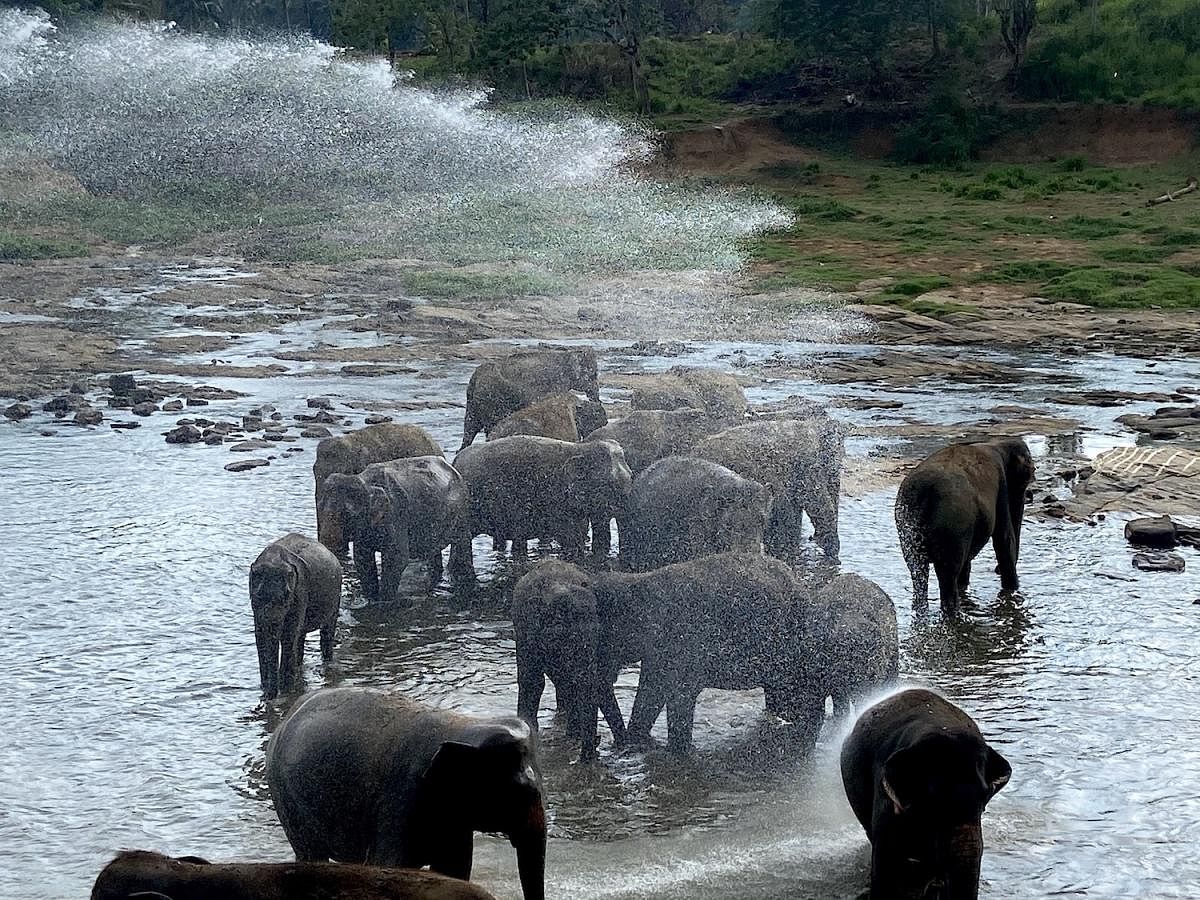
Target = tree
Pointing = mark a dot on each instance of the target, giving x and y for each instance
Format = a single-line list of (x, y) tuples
[(622, 23), (861, 28), (1017, 18)]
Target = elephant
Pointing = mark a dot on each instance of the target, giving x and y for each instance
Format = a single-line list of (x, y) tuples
[(353, 452), (526, 486), (717, 393), (361, 776), (295, 588), (501, 387), (731, 621), (560, 416), (143, 875), (800, 462), (918, 775), (648, 435), (855, 639), (403, 509), (952, 503), (683, 507)]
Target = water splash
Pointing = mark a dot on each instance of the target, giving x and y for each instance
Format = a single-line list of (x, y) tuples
[(148, 113)]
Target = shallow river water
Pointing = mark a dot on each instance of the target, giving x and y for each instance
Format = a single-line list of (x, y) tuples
[(132, 716)]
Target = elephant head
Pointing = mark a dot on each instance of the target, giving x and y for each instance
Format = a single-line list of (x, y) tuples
[(936, 790), (584, 373), (490, 772), (742, 514), (349, 505), (143, 875), (275, 594), (598, 478)]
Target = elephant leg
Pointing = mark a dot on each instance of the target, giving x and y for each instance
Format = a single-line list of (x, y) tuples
[(291, 657), (918, 568), (572, 539), (601, 537), (328, 631), (1004, 542), (964, 578), (452, 854), (814, 498), (782, 537), (395, 561), (462, 562), (531, 683), (612, 713), (649, 701), (268, 662), (520, 547), (499, 544), (368, 576), (947, 572), (681, 718), (436, 569)]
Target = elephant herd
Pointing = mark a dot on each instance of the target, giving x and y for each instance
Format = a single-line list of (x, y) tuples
[(703, 593)]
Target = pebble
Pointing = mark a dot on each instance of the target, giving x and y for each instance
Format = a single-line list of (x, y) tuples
[(245, 465)]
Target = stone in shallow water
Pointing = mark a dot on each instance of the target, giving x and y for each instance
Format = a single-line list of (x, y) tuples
[(196, 401), (18, 411), (184, 434), (1159, 562), (89, 415), (121, 384), (246, 446), (316, 431), (172, 406), (144, 409), (245, 465), (1158, 532), (124, 426), (377, 419), (320, 403)]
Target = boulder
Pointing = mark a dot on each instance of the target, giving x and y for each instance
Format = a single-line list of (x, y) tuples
[(320, 403), (18, 411), (316, 431), (172, 406), (147, 408), (1159, 533), (185, 434), (252, 423), (377, 419), (63, 403), (212, 438), (247, 446), (1158, 562), (196, 401), (122, 384), (88, 415), (245, 465)]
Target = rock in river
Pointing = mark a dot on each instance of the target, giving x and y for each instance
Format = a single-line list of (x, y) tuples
[(1158, 562), (88, 415), (245, 465), (18, 411), (1157, 532), (185, 434)]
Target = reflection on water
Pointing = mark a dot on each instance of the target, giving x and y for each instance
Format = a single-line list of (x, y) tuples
[(130, 679)]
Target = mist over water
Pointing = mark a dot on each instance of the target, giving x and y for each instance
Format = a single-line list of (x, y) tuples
[(146, 112)]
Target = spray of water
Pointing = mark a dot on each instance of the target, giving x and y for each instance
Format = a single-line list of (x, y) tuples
[(147, 113)]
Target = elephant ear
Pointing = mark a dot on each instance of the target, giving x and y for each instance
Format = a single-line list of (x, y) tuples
[(996, 772), (902, 780), (379, 506), (148, 895)]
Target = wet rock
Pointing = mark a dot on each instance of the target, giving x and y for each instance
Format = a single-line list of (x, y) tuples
[(1158, 562), (1111, 398), (365, 371), (1157, 532), (119, 401), (88, 415), (294, 450), (212, 438), (122, 384), (185, 421), (320, 403), (172, 406), (148, 408), (247, 446), (868, 403), (252, 423), (377, 419), (316, 431), (196, 401), (18, 411), (208, 392), (275, 436), (185, 434), (245, 465), (143, 395), (276, 416), (46, 432), (322, 417), (63, 403), (124, 426), (204, 423), (78, 387)]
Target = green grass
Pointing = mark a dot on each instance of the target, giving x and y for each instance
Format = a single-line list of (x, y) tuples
[(20, 246), (477, 286), (1157, 286)]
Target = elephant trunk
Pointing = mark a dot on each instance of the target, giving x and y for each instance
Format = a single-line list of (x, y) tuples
[(963, 851), (268, 659), (330, 531), (530, 844)]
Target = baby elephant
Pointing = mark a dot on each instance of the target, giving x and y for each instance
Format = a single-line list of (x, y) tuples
[(858, 650), (918, 775), (362, 776), (295, 588), (951, 504), (142, 875), (403, 509), (683, 507)]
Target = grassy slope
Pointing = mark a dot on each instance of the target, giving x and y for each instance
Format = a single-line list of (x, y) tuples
[(1065, 230)]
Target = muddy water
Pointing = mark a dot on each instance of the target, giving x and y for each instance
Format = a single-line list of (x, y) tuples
[(133, 720)]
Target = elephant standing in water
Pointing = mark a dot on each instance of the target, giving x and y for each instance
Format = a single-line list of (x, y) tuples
[(729, 621), (366, 777), (353, 452), (523, 487), (563, 417), (682, 387), (143, 875), (404, 509), (800, 461), (856, 640), (918, 775), (683, 507), (951, 504), (648, 435), (295, 588), (500, 387)]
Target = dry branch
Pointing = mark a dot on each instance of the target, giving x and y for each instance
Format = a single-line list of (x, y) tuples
[(1171, 195)]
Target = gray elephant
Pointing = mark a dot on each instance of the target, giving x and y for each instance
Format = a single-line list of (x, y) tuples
[(353, 452), (683, 507), (717, 393), (404, 509), (648, 435), (952, 504), (729, 621), (500, 387), (563, 417), (366, 777), (855, 640), (800, 462), (295, 588), (918, 775), (143, 875), (523, 487)]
